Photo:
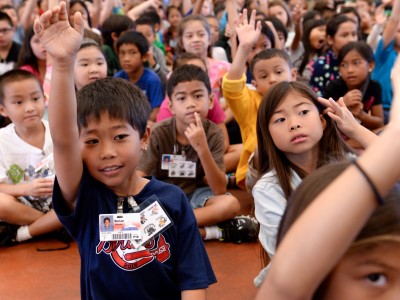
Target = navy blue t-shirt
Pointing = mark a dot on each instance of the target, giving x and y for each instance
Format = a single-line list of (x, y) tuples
[(173, 261)]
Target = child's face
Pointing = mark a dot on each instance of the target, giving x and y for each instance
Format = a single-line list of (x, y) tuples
[(190, 97), (263, 43), (296, 126), (90, 65), (346, 33), (267, 72), (354, 69), (195, 39), (147, 32), (110, 150), (279, 12), (130, 58), (37, 48), (371, 273), (174, 17), (214, 27), (6, 34), (318, 37), (77, 7), (206, 9), (23, 103)]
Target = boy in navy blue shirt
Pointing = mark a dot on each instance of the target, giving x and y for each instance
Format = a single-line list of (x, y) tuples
[(133, 50), (95, 164)]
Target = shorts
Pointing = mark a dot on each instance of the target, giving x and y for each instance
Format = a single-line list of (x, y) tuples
[(200, 197), (41, 204)]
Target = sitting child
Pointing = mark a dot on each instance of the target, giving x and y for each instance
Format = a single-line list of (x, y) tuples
[(133, 50), (196, 147), (26, 163)]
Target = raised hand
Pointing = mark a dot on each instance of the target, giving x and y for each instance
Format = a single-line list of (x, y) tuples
[(353, 100), (57, 36), (247, 31), (196, 135)]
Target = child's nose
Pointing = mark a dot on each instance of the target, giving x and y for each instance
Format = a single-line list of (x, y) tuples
[(107, 151)]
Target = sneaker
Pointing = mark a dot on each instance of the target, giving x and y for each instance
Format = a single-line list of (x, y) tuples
[(238, 230), (8, 234)]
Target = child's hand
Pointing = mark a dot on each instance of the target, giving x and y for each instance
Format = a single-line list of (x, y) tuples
[(247, 32), (380, 17), (56, 35), (196, 135), (40, 187), (353, 100), (342, 116)]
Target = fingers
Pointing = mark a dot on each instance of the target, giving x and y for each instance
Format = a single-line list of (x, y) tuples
[(198, 120)]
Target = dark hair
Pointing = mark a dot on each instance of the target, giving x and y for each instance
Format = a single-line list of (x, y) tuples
[(5, 17), (308, 27), (8, 6), (265, 30), (269, 54), (311, 15), (16, 75), (119, 98), (360, 47), (187, 73), (90, 34), (348, 9), (26, 55), (385, 221), (331, 146), (333, 25), (106, 219), (86, 43), (279, 27), (152, 14), (134, 38), (145, 20), (83, 4), (183, 58), (171, 7), (116, 24)]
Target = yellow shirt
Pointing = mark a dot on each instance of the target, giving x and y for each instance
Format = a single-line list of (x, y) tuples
[(244, 104)]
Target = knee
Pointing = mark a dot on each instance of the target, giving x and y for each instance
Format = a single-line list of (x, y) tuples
[(232, 205), (7, 205)]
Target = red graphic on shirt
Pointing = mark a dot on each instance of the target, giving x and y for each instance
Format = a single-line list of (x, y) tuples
[(125, 256)]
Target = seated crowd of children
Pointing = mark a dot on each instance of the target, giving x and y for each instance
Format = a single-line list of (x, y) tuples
[(113, 109)]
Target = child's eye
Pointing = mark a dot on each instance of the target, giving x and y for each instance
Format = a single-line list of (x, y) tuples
[(343, 65), (199, 96), (36, 98), (377, 279), (279, 72), (304, 112), (92, 142), (280, 120), (120, 137), (84, 65)]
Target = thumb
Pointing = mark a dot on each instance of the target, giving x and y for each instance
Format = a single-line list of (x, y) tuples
[(78, 23)]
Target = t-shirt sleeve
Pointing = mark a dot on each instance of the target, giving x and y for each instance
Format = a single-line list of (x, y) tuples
[(156, 93)]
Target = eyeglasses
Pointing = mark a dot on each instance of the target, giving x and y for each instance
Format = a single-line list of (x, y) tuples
[(5, 30)]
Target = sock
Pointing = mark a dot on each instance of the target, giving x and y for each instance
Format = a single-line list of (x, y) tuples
[(213, 233), (23, 234)]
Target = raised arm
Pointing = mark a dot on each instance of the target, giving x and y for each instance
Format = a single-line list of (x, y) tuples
[(297, 271), (248, 34), (391, 25), (61, 42)]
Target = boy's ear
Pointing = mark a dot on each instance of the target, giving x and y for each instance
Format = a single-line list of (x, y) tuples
[(145, 57), (171, 107), (254, 83), (294, 74), (145, 139), (114, 36), (3, 111), (211, 103)]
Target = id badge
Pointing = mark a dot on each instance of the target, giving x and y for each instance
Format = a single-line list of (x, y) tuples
[(115, 227), (182, 169), (166, 159)]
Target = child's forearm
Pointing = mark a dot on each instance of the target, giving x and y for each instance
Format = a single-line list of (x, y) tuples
[(370, 121), (200, 294), (391, 25), (15, 190), (238, 66), (215, 177)]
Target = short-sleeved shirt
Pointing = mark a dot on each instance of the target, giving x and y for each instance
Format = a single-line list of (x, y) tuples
[(163, 141), (384, 62), (372, 95), (324, 69), (150, 84), (173, 261)]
